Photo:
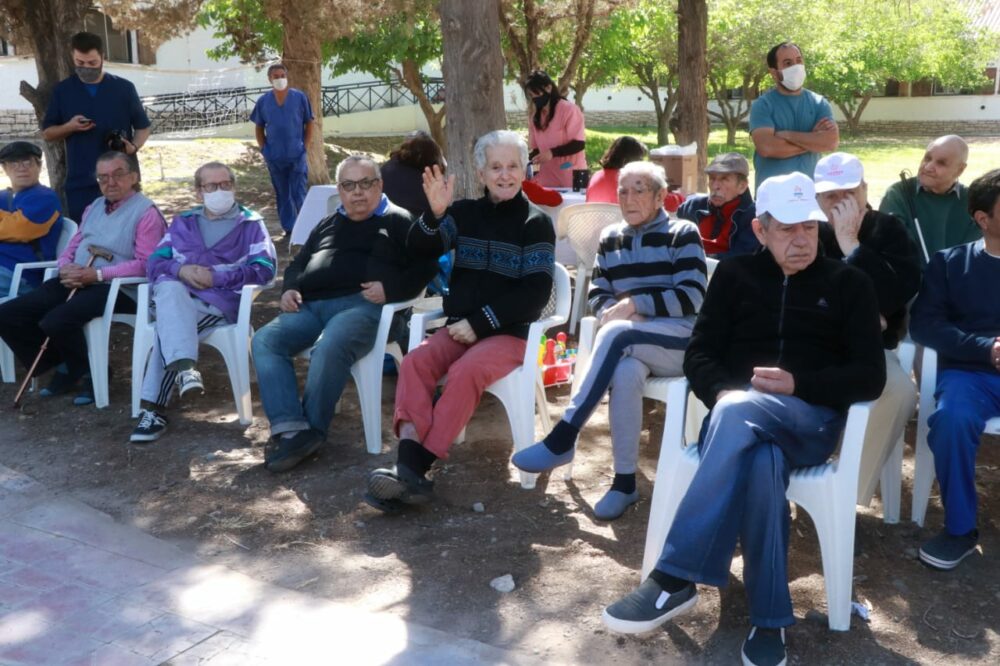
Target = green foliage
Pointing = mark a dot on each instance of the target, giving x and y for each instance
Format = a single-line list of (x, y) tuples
[(413, 37), (245, 31)]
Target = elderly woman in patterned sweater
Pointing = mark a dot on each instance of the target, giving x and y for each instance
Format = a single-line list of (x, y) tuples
[(504, 262), (648, 285)]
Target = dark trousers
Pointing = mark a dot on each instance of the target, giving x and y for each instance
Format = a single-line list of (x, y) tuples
[(27, 320), (78, 199)]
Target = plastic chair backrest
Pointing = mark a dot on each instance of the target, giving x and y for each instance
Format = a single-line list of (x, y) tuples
[(66, 234), (584, 224)]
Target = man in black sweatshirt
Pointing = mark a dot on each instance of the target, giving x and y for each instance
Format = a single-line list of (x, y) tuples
[(354, 261), (786, 340)]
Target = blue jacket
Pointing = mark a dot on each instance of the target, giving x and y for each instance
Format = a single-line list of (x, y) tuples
[(741, 239)]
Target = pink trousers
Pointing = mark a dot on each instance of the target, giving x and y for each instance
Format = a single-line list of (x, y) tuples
[(470, 369)]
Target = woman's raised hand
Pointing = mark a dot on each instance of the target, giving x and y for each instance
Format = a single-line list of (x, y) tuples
[(439, 189)]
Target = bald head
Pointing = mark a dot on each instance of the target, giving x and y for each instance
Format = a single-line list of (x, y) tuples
[(943, 163)]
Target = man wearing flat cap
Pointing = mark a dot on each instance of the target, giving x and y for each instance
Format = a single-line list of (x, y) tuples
[(30, 215), (785, 341), (724, 214)]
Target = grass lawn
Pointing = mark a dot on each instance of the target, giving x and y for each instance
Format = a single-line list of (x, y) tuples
[(883, 157)]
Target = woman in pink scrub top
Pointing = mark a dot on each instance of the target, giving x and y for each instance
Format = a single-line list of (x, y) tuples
[(555, 133)]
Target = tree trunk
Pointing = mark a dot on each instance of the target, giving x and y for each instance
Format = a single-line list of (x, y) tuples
[(692, 31), (302, 54), (49, 24), (413, 81), (853, 113), (473, 75)]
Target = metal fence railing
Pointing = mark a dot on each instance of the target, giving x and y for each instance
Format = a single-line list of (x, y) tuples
[(179, 112)]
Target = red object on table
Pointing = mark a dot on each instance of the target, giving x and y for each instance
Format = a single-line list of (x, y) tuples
[(540, 195)]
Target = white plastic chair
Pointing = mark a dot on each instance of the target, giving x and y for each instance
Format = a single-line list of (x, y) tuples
[(66, 233), (583, 224), (923, 467), (98, 332), (320, 201), (828, 492), (232, 341), (521, 388), (367, 374)]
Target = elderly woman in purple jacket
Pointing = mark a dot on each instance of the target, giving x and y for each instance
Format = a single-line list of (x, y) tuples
[(197, 272)]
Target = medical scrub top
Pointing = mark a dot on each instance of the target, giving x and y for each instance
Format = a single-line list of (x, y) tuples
[(115, 106), (284, 124), (796, 113)]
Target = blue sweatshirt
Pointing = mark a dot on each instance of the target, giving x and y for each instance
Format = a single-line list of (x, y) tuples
[(957, 311)]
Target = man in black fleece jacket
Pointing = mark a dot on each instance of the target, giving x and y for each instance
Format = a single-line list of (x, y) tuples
[(785, 342), (878, 244), (354, 261)]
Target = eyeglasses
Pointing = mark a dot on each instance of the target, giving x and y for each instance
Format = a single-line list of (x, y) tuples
[(225, 186), (104, 179), (23, 163), (365, 184)]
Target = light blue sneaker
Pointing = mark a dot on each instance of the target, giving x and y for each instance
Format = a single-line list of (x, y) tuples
[(537, 458), (614, 503)]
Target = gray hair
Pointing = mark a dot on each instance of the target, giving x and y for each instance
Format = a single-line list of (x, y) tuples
[(357, 159), (212, 165), (652, 172), (499, 138), (131, 163), (765, 219)]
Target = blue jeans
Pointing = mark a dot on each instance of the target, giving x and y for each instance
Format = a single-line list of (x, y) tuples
[(749, 444), (965, 401), (6, 277), (348, 325)]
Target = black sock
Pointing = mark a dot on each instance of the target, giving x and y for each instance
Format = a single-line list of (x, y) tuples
[(670, 584), (414, 456), (624, 483), (562, 438)]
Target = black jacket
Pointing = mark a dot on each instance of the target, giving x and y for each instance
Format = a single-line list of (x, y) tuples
[(340, 254), (504, 262), (820, 324), (891, 259)]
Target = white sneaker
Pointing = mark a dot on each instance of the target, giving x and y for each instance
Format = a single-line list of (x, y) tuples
[(188, 380)]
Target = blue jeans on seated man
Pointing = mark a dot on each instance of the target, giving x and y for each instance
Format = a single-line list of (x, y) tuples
[(6, 277), (749, 444), (347, 325)]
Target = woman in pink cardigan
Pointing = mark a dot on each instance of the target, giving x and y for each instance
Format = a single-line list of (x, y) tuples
[(555, 133)]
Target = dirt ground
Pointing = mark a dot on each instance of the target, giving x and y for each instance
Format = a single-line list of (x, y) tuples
[(202, 487)]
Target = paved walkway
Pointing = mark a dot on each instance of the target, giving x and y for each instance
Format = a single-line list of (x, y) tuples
[(77, 588)]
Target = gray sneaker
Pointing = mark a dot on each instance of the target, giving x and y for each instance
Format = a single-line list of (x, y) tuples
[(945, 551), (764, 647), (190, 380), (647, 607)]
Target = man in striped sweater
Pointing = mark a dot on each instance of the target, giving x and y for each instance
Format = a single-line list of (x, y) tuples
[(648, 284)]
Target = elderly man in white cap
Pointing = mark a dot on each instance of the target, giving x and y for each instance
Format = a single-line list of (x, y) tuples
[(786, 340), (878, 244)]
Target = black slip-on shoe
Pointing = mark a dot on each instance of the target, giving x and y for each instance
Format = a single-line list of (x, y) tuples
[(946, 550), (291, 451), (764, 647), (647, 607), (400, 483)]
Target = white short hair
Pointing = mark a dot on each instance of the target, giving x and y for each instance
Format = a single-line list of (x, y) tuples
[(499, 138), (654, 173), (356, 159)]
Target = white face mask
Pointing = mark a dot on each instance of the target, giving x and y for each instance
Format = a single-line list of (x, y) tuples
[(219, 201), (279, 84), (793, 77)]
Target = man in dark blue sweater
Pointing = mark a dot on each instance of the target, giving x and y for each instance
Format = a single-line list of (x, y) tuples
[(958, 314)]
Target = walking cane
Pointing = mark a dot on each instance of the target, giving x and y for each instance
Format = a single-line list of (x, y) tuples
[(95, 252)]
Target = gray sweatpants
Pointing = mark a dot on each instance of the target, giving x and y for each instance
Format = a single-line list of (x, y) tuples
[(625, 354), (186, 320)]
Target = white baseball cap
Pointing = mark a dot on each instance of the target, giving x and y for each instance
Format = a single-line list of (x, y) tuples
[(838, 171), (789, 199)]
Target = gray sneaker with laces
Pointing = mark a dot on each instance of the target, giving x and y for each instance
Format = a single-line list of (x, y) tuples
[(189, 380)]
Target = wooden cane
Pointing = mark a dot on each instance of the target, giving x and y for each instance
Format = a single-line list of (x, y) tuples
[(95, 252)]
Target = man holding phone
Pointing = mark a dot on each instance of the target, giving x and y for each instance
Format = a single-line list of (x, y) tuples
[(84, 110)]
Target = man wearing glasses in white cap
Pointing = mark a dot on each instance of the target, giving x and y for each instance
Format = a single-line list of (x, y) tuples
[(878, 244), (786, 340)]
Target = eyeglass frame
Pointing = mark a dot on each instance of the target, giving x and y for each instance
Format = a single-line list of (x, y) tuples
[(117, 176), (22, 162), (350, 185), (225, 186)]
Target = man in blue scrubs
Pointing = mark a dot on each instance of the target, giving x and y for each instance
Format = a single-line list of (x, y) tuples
[(84, 110), (790, 125), (284, 124)]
